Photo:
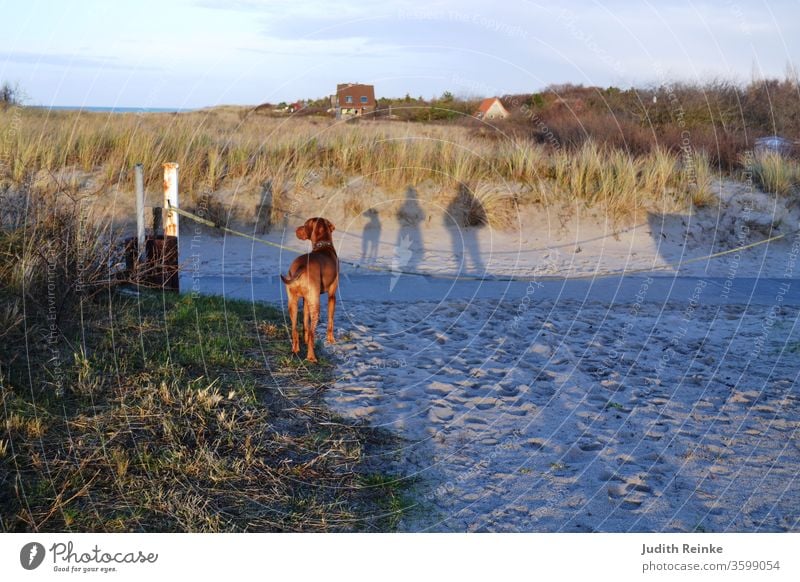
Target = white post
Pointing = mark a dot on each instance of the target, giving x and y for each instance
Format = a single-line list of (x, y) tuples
[(139, 175), (170, 248), (170, 199)]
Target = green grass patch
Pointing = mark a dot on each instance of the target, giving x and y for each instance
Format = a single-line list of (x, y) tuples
[(394, 497), (181, 413)]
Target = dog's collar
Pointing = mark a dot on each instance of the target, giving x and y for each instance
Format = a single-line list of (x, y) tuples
[(322, 244)]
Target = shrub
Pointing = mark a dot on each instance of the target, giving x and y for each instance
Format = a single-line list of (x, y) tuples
[(51, 262), (9, 95)]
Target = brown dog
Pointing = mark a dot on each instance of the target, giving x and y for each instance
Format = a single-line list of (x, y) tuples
[(311, 275)]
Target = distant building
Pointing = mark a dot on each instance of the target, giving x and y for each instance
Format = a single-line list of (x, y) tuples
[(353, 99), (295, 107), (491, 108)]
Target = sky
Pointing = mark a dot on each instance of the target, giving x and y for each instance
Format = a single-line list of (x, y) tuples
[(196, 53)]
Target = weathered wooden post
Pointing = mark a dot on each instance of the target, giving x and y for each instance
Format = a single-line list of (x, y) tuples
[(135, 246), (171, 199), (170, 257), (139, 174)]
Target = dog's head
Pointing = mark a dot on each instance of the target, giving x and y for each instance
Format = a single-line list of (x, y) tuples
[(315, 230)]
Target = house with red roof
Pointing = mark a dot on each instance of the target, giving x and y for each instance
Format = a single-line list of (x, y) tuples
[(491, 108)]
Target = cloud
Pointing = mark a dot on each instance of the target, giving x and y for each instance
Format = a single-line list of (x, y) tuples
[(72, 61), (385, 21)]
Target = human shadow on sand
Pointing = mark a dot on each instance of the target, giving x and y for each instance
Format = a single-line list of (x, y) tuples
[(410, 251), (465, 217)]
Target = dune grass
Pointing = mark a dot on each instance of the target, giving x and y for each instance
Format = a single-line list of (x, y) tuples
[(622, 184), (222, 150)]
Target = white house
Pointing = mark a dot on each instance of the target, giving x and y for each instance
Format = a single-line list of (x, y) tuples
[(491, 108)]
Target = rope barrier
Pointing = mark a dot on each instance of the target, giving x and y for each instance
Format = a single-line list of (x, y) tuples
[(487, 278), (213, 224)]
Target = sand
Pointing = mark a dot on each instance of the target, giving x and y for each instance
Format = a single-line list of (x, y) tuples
[(577, 417)]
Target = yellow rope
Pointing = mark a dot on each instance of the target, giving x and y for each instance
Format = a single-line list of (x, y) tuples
[(212, 224)]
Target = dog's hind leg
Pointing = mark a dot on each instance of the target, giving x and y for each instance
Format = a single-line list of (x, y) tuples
[(331, 313), (312, 307), (306, 324), (293, 299)]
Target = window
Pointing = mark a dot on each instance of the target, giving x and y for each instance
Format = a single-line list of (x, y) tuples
[(348, 99), (363, 99)]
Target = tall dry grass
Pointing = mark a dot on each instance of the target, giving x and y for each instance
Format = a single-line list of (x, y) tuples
[(54, 263), (220, 150)]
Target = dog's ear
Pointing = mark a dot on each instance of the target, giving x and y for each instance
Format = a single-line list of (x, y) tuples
[(331, 228)]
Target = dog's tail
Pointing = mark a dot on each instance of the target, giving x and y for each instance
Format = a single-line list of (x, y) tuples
[(293, 278)]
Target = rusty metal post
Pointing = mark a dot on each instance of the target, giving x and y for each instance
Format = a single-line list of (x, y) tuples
[(139, 175), (170, 256)]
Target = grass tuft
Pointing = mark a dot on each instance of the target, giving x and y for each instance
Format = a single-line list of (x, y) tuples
[(773, 172)]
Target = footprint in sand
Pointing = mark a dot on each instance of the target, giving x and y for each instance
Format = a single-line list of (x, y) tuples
[(439, 389), (486, 403), (441, 414)]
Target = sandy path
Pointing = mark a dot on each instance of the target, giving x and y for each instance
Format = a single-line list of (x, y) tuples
[(575, 417)]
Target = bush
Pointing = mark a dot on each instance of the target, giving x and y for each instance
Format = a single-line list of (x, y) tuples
[(9, 95), (52, 260)]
